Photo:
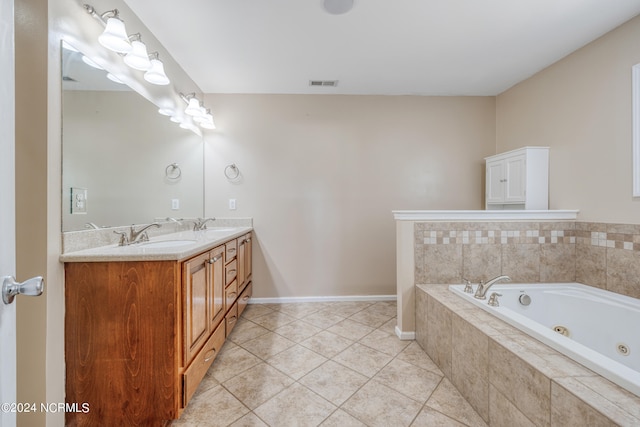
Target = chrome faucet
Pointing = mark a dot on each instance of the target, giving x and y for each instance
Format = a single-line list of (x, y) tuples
[(481, 292), (200, 224), (137, 236)]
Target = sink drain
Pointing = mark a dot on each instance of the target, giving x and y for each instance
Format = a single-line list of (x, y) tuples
[(562, 330), (623, 349)]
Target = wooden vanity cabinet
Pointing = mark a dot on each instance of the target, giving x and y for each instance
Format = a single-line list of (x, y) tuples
[(141, 335)]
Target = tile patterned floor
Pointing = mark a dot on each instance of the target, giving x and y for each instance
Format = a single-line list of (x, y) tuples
[(324, 364)]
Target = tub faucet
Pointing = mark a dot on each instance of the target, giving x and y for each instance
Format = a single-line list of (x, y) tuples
[(481, 292)]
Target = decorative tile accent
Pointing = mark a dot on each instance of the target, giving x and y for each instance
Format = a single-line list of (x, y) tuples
[(603, 255)]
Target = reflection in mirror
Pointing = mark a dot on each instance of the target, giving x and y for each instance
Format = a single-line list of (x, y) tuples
[(120, 158)]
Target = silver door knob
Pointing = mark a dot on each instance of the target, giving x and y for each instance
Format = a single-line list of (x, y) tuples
[(11, 288)]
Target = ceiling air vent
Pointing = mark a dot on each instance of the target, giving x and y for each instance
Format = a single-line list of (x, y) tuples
[(325, 83)]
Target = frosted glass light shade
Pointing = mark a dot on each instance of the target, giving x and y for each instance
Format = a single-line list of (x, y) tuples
[(114, 36), (208, 124), (156, 74), (138, 58), (193, 109)]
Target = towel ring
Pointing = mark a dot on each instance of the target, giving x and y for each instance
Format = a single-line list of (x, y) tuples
[(173, 171), (231, 171)]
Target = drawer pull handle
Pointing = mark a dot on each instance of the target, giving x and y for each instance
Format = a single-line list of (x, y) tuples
[(210, 354), (232, 295), (246, 298), (231, 250), (232, 271), (232, 319)]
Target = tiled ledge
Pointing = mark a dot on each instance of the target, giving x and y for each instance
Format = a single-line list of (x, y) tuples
[(509, 377)]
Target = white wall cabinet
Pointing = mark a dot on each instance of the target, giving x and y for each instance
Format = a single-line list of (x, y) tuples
[(518, 179)]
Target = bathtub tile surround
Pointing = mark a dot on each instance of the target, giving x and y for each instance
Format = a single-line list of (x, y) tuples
[(299, 386), (606, 256), (527, 382), (447, 252)]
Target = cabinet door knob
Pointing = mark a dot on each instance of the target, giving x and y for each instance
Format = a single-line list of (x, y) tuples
[(215, 259)]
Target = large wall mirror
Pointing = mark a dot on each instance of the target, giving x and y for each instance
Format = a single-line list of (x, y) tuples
[(122, 162)]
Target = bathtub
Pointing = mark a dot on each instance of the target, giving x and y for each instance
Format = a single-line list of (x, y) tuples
[(596, 328)]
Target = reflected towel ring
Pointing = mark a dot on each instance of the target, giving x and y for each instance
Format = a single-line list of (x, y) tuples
[(173, 171), (231, 171)]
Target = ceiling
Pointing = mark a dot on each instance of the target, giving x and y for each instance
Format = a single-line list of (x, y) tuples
[(387, 47)]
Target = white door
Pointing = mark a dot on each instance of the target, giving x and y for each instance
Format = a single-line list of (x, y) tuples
[(7, 213), (515, 175)]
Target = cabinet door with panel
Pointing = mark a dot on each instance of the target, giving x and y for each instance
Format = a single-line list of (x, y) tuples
[(216, 286), (196, 288), (514, 168)]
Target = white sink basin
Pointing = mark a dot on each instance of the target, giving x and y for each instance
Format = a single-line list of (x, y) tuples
[(168, 243)]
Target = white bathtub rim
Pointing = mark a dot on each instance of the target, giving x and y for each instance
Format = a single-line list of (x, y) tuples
[(620, 374)]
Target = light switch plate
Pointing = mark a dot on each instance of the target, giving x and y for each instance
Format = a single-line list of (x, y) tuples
[(232, 204)]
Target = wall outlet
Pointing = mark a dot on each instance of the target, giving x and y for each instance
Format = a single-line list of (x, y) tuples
[(232, 204), (78, 200), (175, 204)]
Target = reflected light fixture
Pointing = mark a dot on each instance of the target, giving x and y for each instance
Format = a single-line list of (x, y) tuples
[(337, 7), (114, 79), (138, 58), (114, 36), (156, 74), (166, 111), (90, 62), (193, 109), (198, 112)]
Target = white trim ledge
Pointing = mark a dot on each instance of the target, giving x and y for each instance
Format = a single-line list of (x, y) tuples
[(487, 215), (405, 336), (282, 300)]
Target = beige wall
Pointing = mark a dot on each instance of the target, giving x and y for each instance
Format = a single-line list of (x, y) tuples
[(581, 108), (321, 175)]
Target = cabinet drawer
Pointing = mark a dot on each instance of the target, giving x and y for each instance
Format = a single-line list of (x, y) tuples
[(231, 294), (230, 272), (244, 298), (196, 371), (231, 250), (231, 318)]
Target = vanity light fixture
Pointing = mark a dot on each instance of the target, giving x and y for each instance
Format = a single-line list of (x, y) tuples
[(114, 36), (156, 74), (198, 112), (193, 109), (138, 58)]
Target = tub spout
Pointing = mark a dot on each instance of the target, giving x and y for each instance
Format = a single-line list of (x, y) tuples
[(481, 292)]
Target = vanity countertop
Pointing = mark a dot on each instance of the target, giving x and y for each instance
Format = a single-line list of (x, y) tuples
[(168, 247)]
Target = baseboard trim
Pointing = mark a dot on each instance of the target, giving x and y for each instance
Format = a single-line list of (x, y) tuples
[(405, 336), (280, 300)]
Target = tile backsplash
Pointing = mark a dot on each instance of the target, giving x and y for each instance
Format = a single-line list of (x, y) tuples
[(596, 254)]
